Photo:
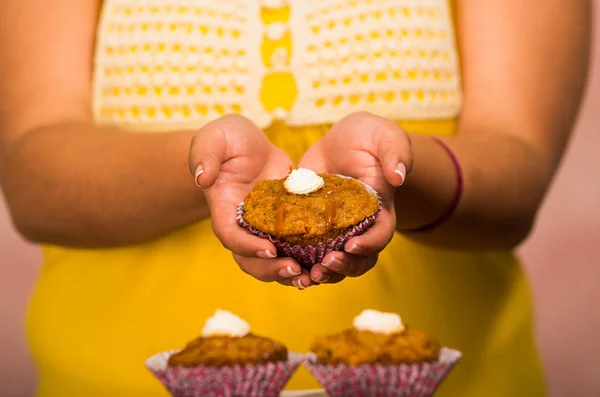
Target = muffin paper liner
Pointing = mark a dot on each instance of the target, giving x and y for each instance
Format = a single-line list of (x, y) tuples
[(249, 380), (378, 380), (309, 255)]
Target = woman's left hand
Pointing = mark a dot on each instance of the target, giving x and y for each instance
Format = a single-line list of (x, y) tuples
[(377, 152)]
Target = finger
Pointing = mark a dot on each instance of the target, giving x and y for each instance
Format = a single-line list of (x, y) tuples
[(279, 269), (207, 153), (286, 282), (278, 164), (322, 275), (392, 146), (234, 237), (314, 159), (300, 282), (374, 239), (349, 265), (213, 145)]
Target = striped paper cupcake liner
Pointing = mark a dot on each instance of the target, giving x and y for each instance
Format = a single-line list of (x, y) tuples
[(259, 380), (406, 380)]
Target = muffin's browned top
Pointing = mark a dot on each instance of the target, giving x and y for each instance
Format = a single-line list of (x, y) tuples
[(353, 347), (308, 219), (220, 351)]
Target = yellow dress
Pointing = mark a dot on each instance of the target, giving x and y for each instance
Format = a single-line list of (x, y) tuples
[(96, 315)]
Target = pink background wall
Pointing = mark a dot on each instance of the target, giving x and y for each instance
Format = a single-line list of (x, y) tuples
[(562, 259)]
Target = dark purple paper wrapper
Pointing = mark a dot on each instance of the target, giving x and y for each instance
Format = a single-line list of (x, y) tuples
[(261, 380), (309, 255), (410, 380)]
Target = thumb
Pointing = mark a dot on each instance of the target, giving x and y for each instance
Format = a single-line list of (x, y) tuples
[(314, 159), (393, 149), (208, 151)]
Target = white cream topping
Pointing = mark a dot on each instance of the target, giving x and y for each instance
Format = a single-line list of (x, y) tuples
[(378, 322), (225, 323), (303, 181)]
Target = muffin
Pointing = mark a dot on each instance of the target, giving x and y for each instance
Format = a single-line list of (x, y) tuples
[(380, 356), (307, 215), (221, 351), (226, 359)]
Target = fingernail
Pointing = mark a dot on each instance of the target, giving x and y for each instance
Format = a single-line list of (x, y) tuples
[(319, 275), (401, 170), (298, 284), (266, 254), (353, 249), (288, 272), (329, 262), (198, 173), (333, 264), (321, 278)]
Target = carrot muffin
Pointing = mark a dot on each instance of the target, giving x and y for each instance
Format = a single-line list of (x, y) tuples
[(226, 341), (306, 209), (380, 356), (377, 338), (226, 360)]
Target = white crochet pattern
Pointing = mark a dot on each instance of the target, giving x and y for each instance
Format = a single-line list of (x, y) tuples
[(178, 63), (173, 64), (396, 58)]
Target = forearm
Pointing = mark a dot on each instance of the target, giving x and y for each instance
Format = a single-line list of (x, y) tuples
[(504, 181), (82, 186)]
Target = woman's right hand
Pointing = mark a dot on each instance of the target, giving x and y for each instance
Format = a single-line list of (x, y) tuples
[(227, 157)]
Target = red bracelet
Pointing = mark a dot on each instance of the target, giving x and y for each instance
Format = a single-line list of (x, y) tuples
[(457, 195)]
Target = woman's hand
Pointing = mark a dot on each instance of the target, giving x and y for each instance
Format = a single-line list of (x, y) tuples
[(227, 157), (378, 152)]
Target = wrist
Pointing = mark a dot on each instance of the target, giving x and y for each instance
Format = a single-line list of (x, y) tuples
[(432, 190)]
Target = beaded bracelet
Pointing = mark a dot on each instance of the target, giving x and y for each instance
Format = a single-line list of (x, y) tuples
[(457, 195)]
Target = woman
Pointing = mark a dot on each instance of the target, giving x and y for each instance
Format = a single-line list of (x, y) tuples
[(106, 108)]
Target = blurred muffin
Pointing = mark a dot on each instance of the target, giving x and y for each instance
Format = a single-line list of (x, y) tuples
[(376, 338), (225, 341), (226, 360), (380, 356)]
